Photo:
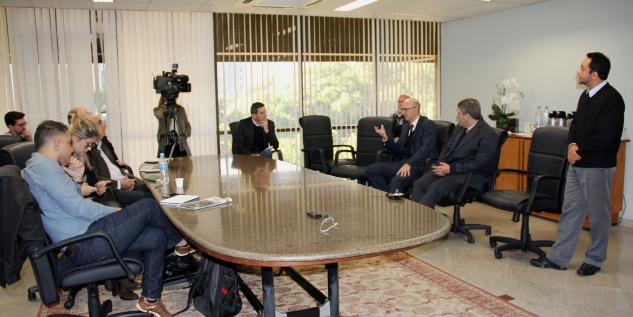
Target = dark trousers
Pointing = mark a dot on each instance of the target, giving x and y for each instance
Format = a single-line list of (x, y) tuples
[(138, 227), (128, 197), (383, 176), (429, 189)]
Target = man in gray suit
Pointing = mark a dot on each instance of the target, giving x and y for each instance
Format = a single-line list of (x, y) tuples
[(471, 148), (416, 143)]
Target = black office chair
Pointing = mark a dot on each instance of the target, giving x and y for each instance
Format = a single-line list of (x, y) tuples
[(53, 272), (369, 149), (8, 139), (468, 193), (233, 127), (17, 153), (444, 132), (546, 171), (318, 151)]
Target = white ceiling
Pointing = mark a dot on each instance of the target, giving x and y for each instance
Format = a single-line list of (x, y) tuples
[(427, 10)]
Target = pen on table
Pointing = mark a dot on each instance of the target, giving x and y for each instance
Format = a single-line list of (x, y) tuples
[(158, 186)]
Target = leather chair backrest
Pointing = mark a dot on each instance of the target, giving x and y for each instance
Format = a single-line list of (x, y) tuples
[(444, 133), (233, 127), (502, 136), (548, 156), (8, 139), (368, 142), (17, 153), (317, 133)]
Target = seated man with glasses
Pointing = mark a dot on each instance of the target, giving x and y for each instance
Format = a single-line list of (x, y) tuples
[(417, 142), (103, 167), (17, 125)]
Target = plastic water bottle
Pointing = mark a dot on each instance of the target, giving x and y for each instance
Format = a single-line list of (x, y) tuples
[(538, 117), (163, 166), (545, 120)]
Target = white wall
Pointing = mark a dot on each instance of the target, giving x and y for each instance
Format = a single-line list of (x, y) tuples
[(542, 45)]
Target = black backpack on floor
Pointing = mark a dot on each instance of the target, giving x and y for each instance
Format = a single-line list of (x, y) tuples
[(179, 269), (214, 291)]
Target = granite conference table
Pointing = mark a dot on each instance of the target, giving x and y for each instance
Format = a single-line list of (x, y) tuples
[(266, 224)]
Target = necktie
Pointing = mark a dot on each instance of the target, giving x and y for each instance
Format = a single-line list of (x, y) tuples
[(411, 128)]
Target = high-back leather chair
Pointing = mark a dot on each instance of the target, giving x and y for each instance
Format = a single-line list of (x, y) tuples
[(233, 127), (318, 151), (444, 132), (8, 139), (469, 192), (369, 149), (545, 176), (17, 153)]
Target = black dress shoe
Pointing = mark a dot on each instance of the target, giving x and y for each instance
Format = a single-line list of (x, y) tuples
[(587, 270), (544, 262)]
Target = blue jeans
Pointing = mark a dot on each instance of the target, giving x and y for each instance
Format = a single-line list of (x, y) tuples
[(141, 226)]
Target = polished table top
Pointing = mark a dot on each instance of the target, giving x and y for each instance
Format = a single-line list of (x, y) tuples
[(267, 225)]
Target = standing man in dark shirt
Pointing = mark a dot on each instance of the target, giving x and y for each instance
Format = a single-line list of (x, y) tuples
[(594, 140), (415, 145), (255, 134), (17, 125)]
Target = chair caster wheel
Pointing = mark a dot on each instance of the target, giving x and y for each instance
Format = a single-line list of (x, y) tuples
[(498, 254), (488, 232), (32, 297), (471, 240), (493, 243)]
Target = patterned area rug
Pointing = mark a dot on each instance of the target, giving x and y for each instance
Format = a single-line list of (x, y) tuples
[(392, 285)]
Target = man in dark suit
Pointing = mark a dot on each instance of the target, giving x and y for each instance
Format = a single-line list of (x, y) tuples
[(255, 134), (104, 165), (416, 143), (471, 148)]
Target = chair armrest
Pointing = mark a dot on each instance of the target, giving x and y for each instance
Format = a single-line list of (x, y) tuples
[(55, 247), (428, 162), (321, 155), (466, 184), (343, 151), (381, 153), (537, 180), (504, 170), (280, 155)]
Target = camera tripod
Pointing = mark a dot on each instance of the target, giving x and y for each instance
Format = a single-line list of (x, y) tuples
[(170, 137)]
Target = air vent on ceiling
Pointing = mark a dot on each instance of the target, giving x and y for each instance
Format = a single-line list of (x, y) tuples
[(278, 3)]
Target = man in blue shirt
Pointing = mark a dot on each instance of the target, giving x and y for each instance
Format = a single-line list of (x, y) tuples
[(54, 177)]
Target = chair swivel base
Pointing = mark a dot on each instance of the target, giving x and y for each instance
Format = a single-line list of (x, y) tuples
[(464, 229), (516, 244)]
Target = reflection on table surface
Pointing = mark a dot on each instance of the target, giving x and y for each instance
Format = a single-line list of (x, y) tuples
[(267, 224)]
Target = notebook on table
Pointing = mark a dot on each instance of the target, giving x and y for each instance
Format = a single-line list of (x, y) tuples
[(178, 199), (206, 203)]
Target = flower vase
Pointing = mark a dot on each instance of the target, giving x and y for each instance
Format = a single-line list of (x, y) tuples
[(508, 124)]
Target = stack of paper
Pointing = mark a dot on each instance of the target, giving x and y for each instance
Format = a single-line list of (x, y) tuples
[(206, 203), (178, 199)]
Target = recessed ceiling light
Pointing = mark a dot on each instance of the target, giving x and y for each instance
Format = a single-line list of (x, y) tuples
[(102, 0), (354, 5)]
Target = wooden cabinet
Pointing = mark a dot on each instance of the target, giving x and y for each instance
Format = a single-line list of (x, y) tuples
[(514, 154)]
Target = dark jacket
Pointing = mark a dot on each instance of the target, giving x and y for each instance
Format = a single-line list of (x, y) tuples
[(21, 228), (423, 142), (597, 128), (244, 137), (473, 153)]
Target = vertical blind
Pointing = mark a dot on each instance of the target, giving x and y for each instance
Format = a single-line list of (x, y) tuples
[(344, 68), (347, 68)]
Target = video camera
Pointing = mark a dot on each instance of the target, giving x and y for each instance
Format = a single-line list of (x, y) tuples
[(169, 85)]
